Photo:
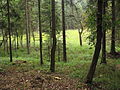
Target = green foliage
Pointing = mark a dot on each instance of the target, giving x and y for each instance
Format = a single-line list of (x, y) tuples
[(46, 17), (91, 13)]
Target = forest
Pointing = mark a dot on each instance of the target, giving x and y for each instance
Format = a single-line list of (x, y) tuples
[(59, 44)]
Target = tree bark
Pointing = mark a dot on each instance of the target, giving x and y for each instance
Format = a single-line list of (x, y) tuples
[(21, 40), (17, 39), (98, 44), (9, 30), (104, 35), (29, 23), (80, 37), (64, 32), (33, 37), (40, 31), (58, 51), (52, 66), (27, 36), (113, 51)]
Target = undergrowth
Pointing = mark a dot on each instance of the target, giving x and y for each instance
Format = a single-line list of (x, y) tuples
[(79, 59)]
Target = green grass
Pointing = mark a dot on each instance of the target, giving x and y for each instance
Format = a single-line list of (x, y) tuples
[(79, 59)]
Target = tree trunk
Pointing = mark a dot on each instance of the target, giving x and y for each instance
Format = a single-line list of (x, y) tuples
[(40, 31), (80, 37), (104, 35), (29, 24), (3, 40), (98, 44), (7, 45), (52, 66), (9, 30), (58, 52), (33, 37), (113, 51), (64, 33), (27, 36), (15, 45), (21, 40), (17, 39)]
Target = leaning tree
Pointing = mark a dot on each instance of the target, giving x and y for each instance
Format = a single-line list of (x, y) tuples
[(98, 43)]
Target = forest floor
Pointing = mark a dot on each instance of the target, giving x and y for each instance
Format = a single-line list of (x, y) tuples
[(25, 73), (14, 79), (18, 76)]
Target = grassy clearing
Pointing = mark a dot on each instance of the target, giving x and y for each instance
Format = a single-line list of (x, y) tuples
[(79, 59)]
